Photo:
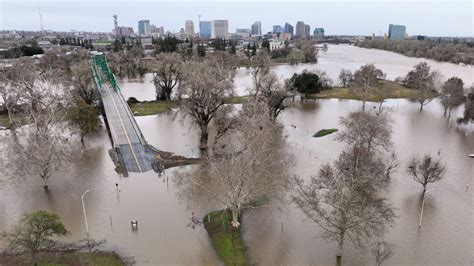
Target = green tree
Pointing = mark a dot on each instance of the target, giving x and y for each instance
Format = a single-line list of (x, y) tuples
[(201, 50), (117, 46), (306, 83), (266, 44), (452, 94), (84, 117), (35, 231), (233, 50)]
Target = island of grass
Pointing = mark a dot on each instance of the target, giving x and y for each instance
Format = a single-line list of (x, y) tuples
[(4, 121), (324, 132), (151, 107), (390, 90), (226, 239), (65, 258)]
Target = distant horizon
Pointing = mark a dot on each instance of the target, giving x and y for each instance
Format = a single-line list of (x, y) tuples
[(353, 18)]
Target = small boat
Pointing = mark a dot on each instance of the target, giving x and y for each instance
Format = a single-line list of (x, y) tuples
[(471, 155)]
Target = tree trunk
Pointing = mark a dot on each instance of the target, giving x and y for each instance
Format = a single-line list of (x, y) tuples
[(363, 105), (235, 218), (204, 138), (424, 191), (421, 106), (45, 183), (445, 110), (340, 246)]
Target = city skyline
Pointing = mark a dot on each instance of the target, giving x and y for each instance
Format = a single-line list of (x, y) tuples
[(370, 16)]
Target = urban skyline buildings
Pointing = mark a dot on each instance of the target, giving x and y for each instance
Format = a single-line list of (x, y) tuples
[(220, 29), (257, 28), (189, 28), (144, 27), (396, 32)]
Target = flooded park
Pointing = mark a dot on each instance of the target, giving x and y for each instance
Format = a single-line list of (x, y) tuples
[(165, 234)]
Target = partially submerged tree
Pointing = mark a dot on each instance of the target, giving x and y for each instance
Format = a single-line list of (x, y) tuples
[(344, 199), (452, 94), (35, 231), (423, 80), (364, 79), (46, 143), (82, 80), (468, 115), (266, 87), (168, 72), (426, 170), (345, 77), (382, 251), (84, 117), (306, 83), (249, 172), (206, 86)]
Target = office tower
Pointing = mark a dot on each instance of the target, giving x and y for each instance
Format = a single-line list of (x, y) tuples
[(257, 28), (189, 28), (318, 33), (300, 29), (220, 29), (205, 29), (396, 32), (278, 29), (307, 31), (144, 27), (288, 28)]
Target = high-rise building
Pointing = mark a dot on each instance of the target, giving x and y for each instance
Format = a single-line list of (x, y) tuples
[(189, 28), (318, 33), (205, 29), (144, 27), (220, 29), (307, 31), (123, 31), (278, 29), (288, 28), (300, 29), (257, 28), (396, 32)]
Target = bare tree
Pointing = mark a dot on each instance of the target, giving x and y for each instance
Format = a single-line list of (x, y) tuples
[(168, 71), (364, 79), (206, 86), (468, 115), (345, 77), (250, 172), (344, 199), (266, 86), (424, 81), (382, 251), (426, 170), (452, 94), (82, 80), (46, 143)]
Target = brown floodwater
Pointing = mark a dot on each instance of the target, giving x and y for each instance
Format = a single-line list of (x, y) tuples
[(286, 237)]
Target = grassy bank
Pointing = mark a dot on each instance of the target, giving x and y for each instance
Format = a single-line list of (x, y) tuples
[(152, 107), (324, 132), (391, 88), (226, 240), (4, 122), (65, 258)]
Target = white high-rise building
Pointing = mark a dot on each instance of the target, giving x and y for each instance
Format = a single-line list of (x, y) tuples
[(220, 29), (189, 28)]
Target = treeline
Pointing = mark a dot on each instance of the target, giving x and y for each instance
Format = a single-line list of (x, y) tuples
[(23, 50), (76, 42), (440, 51)]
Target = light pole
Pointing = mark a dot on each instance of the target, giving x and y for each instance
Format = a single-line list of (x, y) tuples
[(423, 206), (85, 219)]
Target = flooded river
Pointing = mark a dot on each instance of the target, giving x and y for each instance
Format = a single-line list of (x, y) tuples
[(273, 237)]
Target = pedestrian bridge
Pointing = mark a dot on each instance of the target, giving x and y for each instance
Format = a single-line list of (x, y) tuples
[(133, 154)]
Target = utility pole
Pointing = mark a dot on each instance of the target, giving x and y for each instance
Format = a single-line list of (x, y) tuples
[(85, 220), (41, 18), (116, 27)]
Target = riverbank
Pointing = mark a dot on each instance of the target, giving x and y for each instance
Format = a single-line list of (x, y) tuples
[(65, 258), (227, 240), (390, 90)]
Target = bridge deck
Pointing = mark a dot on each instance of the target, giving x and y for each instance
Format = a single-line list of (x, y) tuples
[(125, 133)]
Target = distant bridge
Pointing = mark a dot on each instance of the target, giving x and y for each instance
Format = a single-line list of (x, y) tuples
[(133, 152)]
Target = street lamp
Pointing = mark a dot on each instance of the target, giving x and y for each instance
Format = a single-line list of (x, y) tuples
[(423, 206), (85, 219)]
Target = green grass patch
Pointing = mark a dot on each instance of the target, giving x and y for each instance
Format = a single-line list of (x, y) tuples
[(238, 100), (4, 121), (390, 89), (226, 240), (324, 132), (152, 107), (66, 258)]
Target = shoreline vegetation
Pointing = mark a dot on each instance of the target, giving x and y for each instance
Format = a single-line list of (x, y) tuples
[(65, 258), (226, 240), (324, 132)]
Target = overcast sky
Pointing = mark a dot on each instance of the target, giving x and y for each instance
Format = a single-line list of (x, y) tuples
[(352, 17)]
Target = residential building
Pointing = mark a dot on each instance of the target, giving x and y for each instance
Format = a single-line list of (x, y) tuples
[(257, 28), (220, 29), (318, 33), (300, 29), (307, 31), (189, 28), (396, 32), (144, 27), (278, 29), (288, 28), (205, 29)]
